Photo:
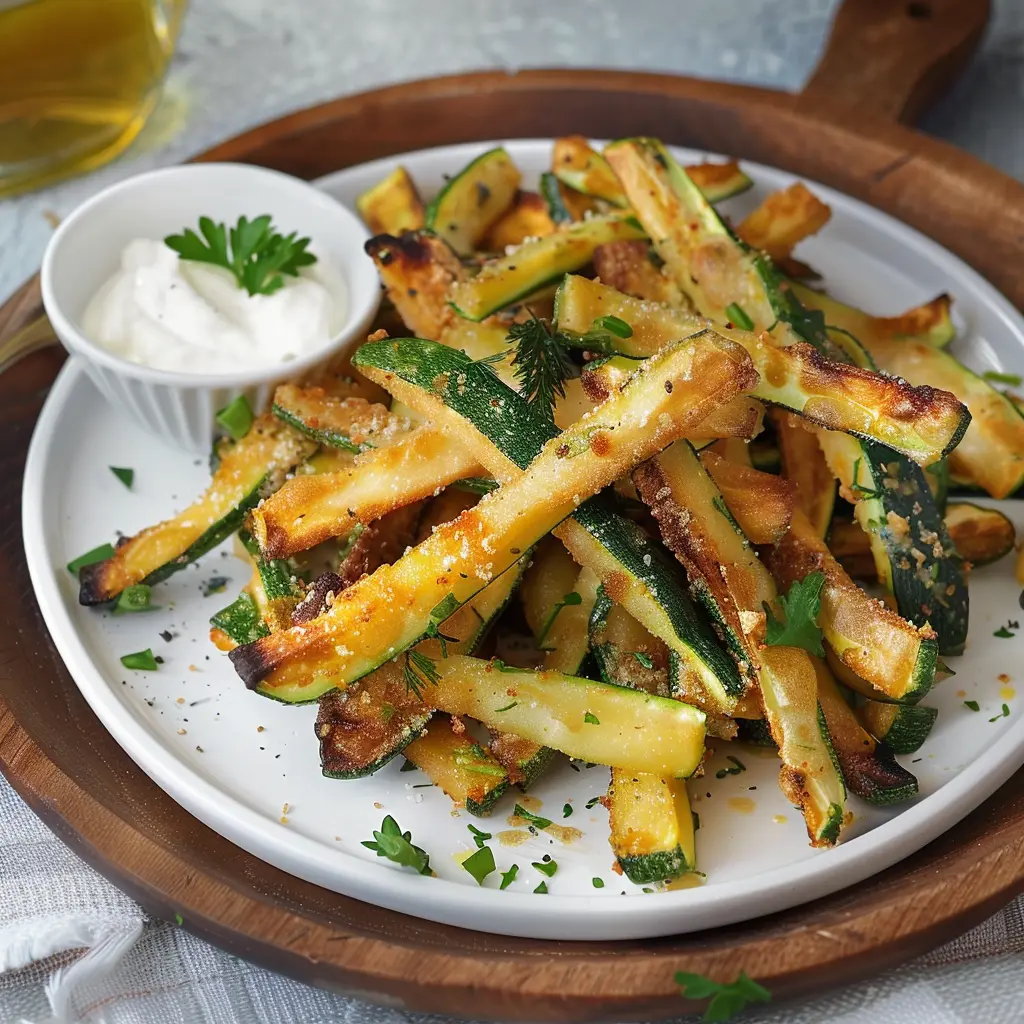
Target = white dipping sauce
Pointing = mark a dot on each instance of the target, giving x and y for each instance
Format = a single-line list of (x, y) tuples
[(172, 314)]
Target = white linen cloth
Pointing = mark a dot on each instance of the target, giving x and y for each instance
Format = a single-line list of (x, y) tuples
[(74, 948)]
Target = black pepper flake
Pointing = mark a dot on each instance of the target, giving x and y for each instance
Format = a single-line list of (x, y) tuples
[(167, 636)]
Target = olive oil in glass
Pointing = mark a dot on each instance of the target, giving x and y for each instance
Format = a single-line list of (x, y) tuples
[(78, 79)]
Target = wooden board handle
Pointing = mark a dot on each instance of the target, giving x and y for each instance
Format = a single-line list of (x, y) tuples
[(893, 57)]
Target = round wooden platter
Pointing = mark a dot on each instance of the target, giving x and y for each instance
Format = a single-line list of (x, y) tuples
[(884, 62)]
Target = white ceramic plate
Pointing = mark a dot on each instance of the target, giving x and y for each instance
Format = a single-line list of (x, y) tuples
[(234, 760)]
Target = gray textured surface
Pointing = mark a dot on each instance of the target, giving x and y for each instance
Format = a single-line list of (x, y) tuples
[(241, 62)]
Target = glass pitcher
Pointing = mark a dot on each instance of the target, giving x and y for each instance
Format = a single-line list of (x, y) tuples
[(78, 78)]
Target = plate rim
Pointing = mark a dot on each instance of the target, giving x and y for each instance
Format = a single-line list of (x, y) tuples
[(768, 888)]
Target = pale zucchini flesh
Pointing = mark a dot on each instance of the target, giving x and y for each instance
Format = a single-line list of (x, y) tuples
[(584, 719)]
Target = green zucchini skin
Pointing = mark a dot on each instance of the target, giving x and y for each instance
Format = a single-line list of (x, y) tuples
[(240, 621), (504, 418), (473, 200), (549, 189), (902, 727), (331, 438), (932, 591), (538, 263), (754, 731)]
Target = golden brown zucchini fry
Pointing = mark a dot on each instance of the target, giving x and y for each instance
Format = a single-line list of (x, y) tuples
[(308, 510), (803, 462), (417, 269), (392, 205), (784, 219), (761, 503), (527, 217)]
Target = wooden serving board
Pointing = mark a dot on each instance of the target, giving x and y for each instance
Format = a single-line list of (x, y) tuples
[(885, 61)]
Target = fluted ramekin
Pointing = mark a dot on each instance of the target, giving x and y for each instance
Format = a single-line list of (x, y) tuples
[(85, 251)]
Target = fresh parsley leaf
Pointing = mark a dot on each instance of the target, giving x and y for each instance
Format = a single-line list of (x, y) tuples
[(179, 920), (134, 599), (396, 845), (591, 719), (1004, 713), (441, 611), (418, 671), (542, 888), (481, 864), (737, 767), (645, 659), (1003, 632), (799, 625), (236, 417), (126, 476), (859, 492), (1012, 379), (597, 883), (593, 801), (540, 365), (570, 600), (546, 867), (99, 554), (141, 660), (534, 819), (566, 810), (738, 316), (726, 1000), (972, 704), (508, 877), (252, 251), (472, 758), (479, 837)]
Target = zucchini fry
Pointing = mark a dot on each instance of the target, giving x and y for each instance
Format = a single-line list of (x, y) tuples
[(587, 720), (248, 469), (393, 205), (922, 422), (460, 558), (991, 453), (498, 427), (652, 830), (308, 510), (466, 772), (761, 503), (785, 218), (869, 767), (889, 657), (417, 269), (727, 281), (472, 200), (804, 464)]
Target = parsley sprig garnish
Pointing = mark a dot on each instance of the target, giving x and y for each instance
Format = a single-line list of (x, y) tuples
[(540, 364), (252, 250), (799, 625), (396, 845), (726, 1000)]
